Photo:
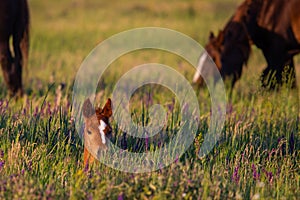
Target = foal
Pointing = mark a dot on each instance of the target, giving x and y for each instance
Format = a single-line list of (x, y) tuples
[(96, 128)]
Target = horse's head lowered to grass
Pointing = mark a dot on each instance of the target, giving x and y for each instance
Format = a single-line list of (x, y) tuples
[(273, 26), (229, 50)]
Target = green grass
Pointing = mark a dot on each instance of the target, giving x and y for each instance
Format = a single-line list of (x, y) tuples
[(42, 154)]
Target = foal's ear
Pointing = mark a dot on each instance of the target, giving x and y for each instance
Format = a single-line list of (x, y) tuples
[(107, 111), (87, 108), (211, 35)]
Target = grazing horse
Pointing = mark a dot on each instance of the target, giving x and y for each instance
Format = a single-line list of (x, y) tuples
[(273, 26), (14, 23), (95, 130)]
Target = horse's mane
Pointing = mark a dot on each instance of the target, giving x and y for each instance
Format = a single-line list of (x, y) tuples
[(235, 31)]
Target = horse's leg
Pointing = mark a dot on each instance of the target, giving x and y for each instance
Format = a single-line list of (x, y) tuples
[(6, 61), (280, 69), (11, 67), (282, 74), (276, 58), (16, 73), (284, 71)]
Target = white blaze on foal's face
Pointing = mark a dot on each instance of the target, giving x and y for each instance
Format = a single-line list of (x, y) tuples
[(102, 127)]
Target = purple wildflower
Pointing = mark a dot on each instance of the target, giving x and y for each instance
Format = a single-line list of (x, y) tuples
[(132, 176), (120, 197), (256, 175), (235, 176), (13, 176), (86, 167), (49, 112), (49, 191), (24, 111), (170, 107), (36, 111), (176, 159), (2, 164), (159, 144), (269, 176), (3, 186), (30, 166), (90, 197)]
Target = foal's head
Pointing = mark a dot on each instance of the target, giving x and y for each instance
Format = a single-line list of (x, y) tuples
[(96, 129)]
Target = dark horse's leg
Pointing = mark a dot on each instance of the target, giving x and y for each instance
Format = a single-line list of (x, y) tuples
[(279, 74), (18, 59), (7, 19), (12, 70), (13, 23), (6, 62), (280, 69)]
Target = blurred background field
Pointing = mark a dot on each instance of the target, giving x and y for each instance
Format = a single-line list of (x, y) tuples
[(41, 152), (64, 32)]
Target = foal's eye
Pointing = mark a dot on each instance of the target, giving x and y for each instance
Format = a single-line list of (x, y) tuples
[(89, 132)]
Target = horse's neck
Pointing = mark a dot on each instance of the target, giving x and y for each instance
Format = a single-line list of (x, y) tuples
[(240, 14)]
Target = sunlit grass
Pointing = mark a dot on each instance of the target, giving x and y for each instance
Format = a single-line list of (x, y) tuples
[(41, 152)]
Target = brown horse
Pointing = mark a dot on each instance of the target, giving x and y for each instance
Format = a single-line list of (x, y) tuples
[(96, 129), (273, 26), (14, 22)]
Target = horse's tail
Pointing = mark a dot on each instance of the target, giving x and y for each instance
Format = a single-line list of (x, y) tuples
[(25, 20)]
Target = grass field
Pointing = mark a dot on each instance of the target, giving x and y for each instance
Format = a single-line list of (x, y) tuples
[(41, 154)]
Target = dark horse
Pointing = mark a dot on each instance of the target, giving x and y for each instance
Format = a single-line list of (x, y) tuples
[(14, 23), (273, 26)]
